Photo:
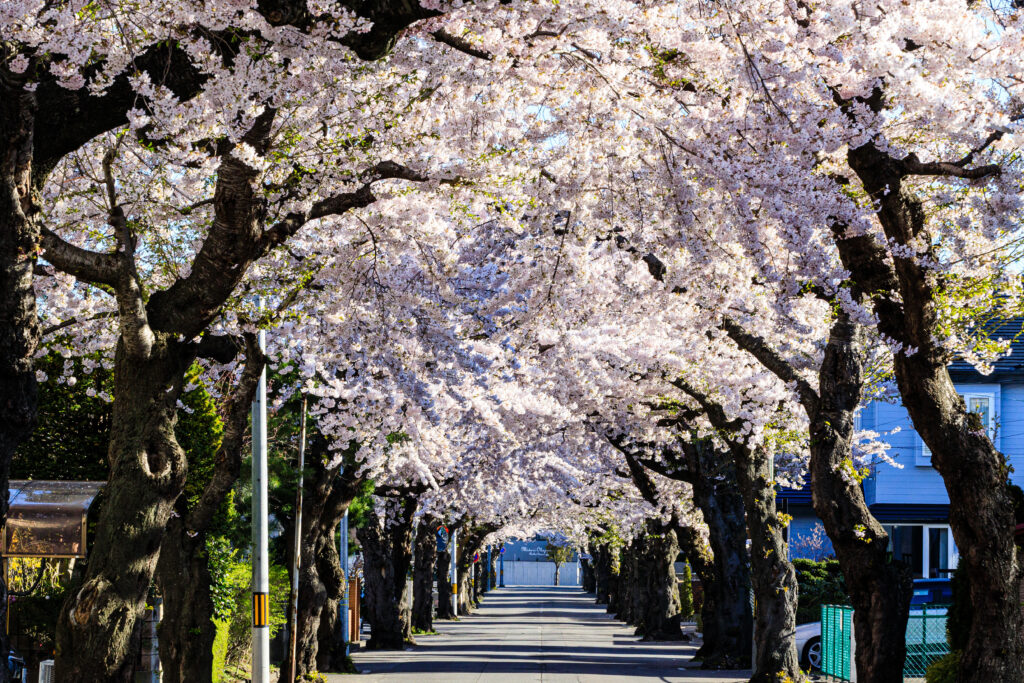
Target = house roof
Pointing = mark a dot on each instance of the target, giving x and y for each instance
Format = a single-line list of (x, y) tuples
[(1010, 366)]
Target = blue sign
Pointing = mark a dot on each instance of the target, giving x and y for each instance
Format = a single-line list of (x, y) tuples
[(442, 538), (502, 550)]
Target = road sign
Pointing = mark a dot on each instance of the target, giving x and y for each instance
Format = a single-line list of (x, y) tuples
[(502, 550), (442, 538), (476, 557)]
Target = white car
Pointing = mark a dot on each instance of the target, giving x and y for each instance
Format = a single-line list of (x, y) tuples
[(926, 592), (808, 645)]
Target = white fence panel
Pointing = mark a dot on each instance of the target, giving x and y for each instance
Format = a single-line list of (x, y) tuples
[(541, 574)]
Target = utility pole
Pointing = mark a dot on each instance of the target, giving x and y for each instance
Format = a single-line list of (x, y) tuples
[(343, 612), (455, 575), (260, 562), (501, 567), (293, 638)]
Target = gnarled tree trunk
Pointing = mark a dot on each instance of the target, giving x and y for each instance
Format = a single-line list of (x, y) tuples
[(387, 552), (880, 588), (147, 476), (659, 617), (445, 604), (726, 611), (423, 575), (19, 324), (981, 515), (187, 630)]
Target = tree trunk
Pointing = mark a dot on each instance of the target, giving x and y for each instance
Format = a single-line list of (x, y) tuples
[(445, 604), (187, 630), (627, 598), (423, 575), (880, 588), (587, 567), (725, 571), (147, 476), (656, 582), (387, 553), (774, 579), (19, 323), (981, 512)]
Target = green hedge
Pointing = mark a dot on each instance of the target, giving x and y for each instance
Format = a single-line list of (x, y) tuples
[(820, 583)]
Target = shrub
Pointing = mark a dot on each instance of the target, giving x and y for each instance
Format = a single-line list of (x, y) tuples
[(943, 670), (686, 592), (819, 583)]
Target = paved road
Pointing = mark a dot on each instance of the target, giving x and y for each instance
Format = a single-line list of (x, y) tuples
[(534, 633)]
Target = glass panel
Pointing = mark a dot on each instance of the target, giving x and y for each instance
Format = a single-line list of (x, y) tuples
[(981, 405), (938, 553), (47, 518), (908, 547)]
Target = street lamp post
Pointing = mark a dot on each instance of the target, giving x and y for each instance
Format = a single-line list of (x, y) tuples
[(455, 575), (260, 564), (343, 605)]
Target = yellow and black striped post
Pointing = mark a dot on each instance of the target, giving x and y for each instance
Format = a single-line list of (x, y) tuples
[(260, 610)]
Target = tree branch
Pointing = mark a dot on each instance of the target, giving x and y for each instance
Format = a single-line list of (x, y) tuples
[(88, 266), (773, 361), (460, 44), (228, 461)]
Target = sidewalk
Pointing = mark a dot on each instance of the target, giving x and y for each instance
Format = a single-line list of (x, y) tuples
[(535, 633)]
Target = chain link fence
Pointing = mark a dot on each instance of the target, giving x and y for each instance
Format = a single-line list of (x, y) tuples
[(926, 641)]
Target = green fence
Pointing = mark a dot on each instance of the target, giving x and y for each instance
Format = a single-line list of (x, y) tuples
[(926, 641), (836, 640)]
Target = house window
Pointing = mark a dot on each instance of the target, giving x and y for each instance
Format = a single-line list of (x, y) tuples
[(980, 403), (928, 549)]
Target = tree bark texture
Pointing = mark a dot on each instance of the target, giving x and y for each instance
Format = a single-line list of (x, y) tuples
[(187, 630), (183, 575), (328, 494), (19, 325), (423, 575), (445, 604), (723, 568), (773, 576), (587, 567), (659, 605), (147, 476), (903, 293), (879, 587), (726, 612), (387, 552), (470, 540)]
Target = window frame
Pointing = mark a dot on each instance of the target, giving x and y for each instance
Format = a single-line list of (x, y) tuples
[(923, 454)]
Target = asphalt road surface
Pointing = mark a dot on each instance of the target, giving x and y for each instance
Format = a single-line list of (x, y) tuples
[(535, 633)]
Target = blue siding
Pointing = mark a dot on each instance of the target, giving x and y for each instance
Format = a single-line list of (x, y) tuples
[(916, 482), (1010, 428)]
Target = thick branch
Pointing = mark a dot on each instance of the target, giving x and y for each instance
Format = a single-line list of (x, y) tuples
[(89, 266), (772, 360), (228, 462), (914, 166), (460, 44)]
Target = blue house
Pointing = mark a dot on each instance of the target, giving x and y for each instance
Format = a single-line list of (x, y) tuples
[(911, 500)]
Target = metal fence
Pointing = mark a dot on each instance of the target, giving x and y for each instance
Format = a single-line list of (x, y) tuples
[(926, 641), (837, 641)]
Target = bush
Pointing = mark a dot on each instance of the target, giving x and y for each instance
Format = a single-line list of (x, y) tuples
[(819, 583), (943, 670), (686, 592), (232, 580)]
